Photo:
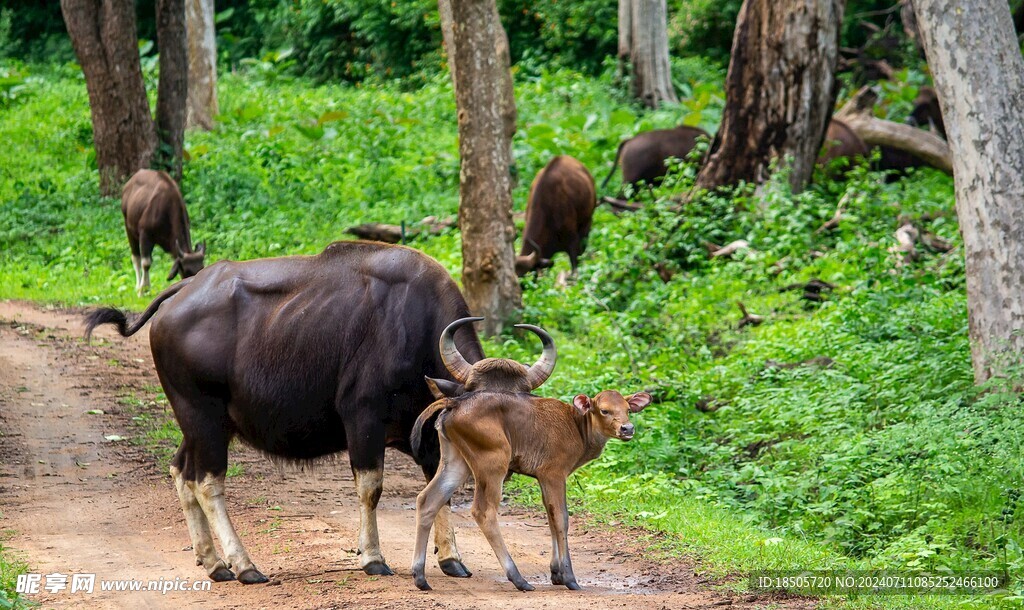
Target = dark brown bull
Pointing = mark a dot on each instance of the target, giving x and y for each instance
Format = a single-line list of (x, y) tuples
[(926, 111), (301, 357), (558, 215), (644, 155), (495, 426), (155, 215)]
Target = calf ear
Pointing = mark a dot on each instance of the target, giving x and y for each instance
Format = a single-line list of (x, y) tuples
[(582, 403), (442, 388), (201, 248), (175, 269), (638, 401)]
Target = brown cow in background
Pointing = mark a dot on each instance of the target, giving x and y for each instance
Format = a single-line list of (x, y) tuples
[(558, 215), (155, 215), (841, 143)]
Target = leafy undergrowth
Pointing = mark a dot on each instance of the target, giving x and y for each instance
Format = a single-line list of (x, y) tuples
[(844, 431)]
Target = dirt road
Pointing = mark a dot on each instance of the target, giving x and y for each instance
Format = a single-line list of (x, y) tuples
[(75, 500)]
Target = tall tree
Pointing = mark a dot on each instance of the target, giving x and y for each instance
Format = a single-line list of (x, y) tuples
[(979, 74), (172, 90), (643, 44), (779, 90), (485, 197), (202, 64), (105, 42)]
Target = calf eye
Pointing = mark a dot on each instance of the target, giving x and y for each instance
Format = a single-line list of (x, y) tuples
[(604, 412)]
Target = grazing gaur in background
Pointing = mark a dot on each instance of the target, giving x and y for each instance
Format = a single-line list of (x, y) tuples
[(841, 143), (558, 214), (495, 426), (926, 112), (155, 215), (643, 156), (301, 357)]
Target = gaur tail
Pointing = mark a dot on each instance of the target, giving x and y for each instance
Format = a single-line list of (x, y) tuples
[(111, 315), (615, 164), (426, 419)]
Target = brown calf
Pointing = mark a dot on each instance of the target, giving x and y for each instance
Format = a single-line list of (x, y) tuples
[(496, 427), (558, 215), (155, 215)]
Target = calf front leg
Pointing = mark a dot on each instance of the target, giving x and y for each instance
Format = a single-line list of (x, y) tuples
[(553, 494)]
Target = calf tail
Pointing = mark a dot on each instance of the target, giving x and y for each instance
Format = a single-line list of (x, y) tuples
[(428, 416), (111, 315), (615, 164)]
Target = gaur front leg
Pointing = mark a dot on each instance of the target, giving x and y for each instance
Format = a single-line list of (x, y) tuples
[(486, 500), (366, 442), (553, 494), (431, 503)]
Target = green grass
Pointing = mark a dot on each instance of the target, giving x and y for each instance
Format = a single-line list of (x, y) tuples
[(888, 457), (11, 565)]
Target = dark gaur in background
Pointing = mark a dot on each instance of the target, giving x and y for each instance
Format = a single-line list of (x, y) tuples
[(559, 214), (927, 113), (155, 215), (302, 357), (644, 155), (491, 425)]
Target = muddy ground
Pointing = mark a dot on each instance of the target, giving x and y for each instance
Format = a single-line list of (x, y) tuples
[(74, 501)]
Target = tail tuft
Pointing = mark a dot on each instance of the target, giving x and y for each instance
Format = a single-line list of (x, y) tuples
[(106, 315)]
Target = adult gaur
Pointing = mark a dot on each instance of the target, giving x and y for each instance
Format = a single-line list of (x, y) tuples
[(301, 357), (643, 156)]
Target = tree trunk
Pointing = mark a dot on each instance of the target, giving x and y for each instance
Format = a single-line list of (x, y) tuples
[(485, 208), (508, 93), (979, 75), (778, 91), (103, 35), (172, 91), (202, 64), (643, 42)]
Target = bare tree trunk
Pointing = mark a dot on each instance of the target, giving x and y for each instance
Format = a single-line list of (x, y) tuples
[(103, 35), (485, 210), (643, 40), (172, 91), (202, 64), (778, 90), (508, 93), (979, 75)]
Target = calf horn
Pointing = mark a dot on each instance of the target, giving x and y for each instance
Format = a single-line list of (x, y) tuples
[(450, 355), (545, 365)]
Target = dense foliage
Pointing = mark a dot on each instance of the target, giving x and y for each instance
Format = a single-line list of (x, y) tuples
[(851, 421)]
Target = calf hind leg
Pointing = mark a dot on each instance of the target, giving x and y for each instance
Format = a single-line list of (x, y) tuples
[(486, 500), (431, 503), (553, 494), (448, 557)]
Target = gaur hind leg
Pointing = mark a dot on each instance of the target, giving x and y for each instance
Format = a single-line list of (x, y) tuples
[(448, 557), (489, 469), (133, 244), (432, 506), (146, 246), (198, 470), (553, 493), (366, 442)]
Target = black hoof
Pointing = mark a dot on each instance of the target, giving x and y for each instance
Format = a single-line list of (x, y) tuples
[(421, 583), (523, 585), (252, 576), (572, 584), (378, 568), (222, 575), (453, 567)]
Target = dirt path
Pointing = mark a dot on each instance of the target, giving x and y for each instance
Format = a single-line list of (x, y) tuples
[(75, 502)]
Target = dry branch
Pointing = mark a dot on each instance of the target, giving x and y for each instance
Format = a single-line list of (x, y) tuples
[(748, 319), (728, 249), (393, 234), (906, 236), (930, 148)]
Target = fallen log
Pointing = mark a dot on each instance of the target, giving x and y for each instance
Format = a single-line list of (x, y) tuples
[(858, 116), (621, 205), (393, 234), (748, 319)]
